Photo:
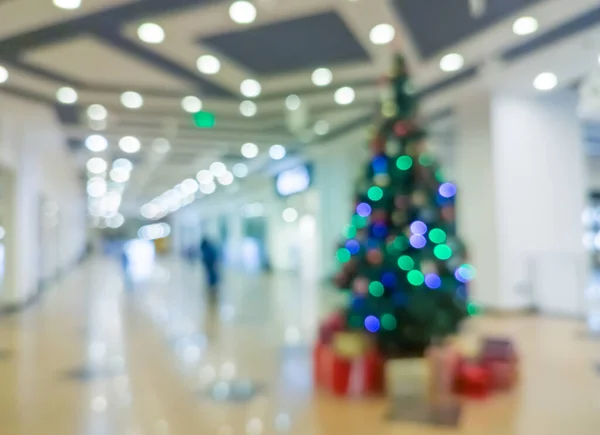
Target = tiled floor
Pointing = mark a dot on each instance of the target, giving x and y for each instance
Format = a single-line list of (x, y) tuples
[(91, 360)]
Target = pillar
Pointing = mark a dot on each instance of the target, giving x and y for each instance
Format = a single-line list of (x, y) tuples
[(520, 170)]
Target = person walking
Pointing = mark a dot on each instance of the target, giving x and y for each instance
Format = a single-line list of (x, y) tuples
[(210, 260)]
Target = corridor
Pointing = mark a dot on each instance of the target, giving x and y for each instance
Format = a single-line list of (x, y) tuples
[(89, 359)]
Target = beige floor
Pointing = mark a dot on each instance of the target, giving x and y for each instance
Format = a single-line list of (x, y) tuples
[(151, 357)]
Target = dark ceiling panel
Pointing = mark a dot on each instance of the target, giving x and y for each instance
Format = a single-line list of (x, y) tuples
[(438, 24), (306, 42)]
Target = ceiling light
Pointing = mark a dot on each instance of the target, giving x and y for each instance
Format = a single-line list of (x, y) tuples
[(249, 150), (123, 164), (96, 143), (151, 33), (226, 178), (66, 95), (321, 77), (250, 88), (382, 34), (97, 112), (290, 214), (119, 175), (525, 26), (208, 188), (189, 186), (67, 4), (130, 144), (132, 100), (161, 145), (292, 102), (3, 74), (452, 62), (242, 12), (150, 210), (208, 64), (240, 170), (191, 104), (545, 81), (96, 165), (204, 176), (344, 96), (96, 187), (217, 169), (248, 108), (277, 152), (321, 127)]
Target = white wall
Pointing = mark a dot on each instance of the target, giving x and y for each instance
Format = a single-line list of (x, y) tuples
[(33, 149), (593, 172)]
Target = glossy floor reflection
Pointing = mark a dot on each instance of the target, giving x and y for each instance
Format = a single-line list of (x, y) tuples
[(91, 360)]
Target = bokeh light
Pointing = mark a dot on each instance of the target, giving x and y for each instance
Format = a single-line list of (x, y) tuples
[(406, 263), (3, 74), (404, 163), (376, 289), (375, 193), (64, 95), (96, 165), (389, 322), (96, 143), (382, 34), (321, 77), (349, 231), (437, 236), (344, 96), (240, 170), (277, 152), (343, 255), (415, 277), (418, 241), (372, 324), (291, 215), (130, 144), (242, 12), (447, 190), (353, 246), (363, 209), (418, 227), (443, 252), (388, 279), (191, 104), (208, 64), (151, 33), (124, 164), (379, 231), (433, 281), (379, 164), (249, 150), (132, 100), (250, 88), (465, 273), (248, 108)]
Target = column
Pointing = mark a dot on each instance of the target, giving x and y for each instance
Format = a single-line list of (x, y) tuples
[(521, 177)]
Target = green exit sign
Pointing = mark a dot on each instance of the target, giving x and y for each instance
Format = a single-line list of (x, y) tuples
[(204, 119)]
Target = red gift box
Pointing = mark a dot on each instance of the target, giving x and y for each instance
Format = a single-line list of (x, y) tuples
[(503, 374), (348, 377), (473, 380), (336, 322), (499, 356)]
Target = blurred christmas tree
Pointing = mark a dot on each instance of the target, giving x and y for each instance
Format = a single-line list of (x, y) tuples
[(402, 262)]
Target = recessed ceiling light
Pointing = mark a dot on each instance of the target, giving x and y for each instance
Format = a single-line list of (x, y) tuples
[(97, 112), (208, 64), (96, 143), (3, 74), (67, 4), (321, 127), (382, 34), (119, 175), (204, 176), (290, 214), (277, 152), (189, 186), (344, 96), (292, 102), (217, 169), (161, 145), (545, 81), (321, 77), (151, 33), (132, 100), (249, 150), (130, 144), (96, 165), (191, 104), (96, 187), (525, 26), (123, 164), (240, 170), (208, 188), (452, 62), (250, 88), (248, 108), (242, 12), (66, 95)]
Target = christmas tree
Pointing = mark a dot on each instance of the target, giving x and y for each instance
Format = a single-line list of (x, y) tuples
[(402, 263)]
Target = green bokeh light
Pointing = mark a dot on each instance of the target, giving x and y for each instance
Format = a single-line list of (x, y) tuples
[(437, 236), (376, 289), (404, 163), (204, 119), (388, 321), (401, 242), (426, 159), (439, 175), (473, 309), (343, 255), (359, 221), (406, 263), (375, 193), (443, 252), (415, 277), (349, 231)]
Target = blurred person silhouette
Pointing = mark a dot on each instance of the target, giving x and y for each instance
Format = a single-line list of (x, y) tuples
[(210, 260), (125, 267)]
